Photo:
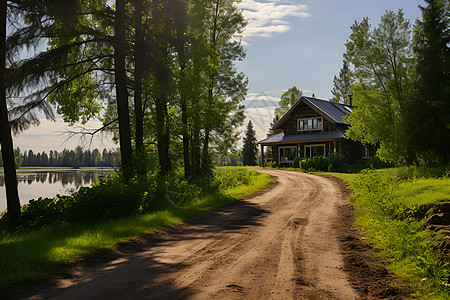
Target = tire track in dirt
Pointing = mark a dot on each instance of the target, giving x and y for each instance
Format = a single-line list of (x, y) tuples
[(279, 245)]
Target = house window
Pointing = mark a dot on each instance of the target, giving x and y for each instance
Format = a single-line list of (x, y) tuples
[(310, 124), (287, 154), (314, 150)]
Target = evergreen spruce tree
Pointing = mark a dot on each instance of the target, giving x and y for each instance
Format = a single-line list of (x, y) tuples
[(272, 124), (250, 150), (430, 110), (342, 85)]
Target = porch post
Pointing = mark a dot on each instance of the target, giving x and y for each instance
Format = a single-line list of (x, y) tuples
[(262, 155)]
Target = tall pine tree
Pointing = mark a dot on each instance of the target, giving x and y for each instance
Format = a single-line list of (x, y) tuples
[(342, 85), (430, 112), (250, 150), (12, 195)]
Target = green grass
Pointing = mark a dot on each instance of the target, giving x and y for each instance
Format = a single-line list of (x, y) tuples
[(392, 206), (39, 254)]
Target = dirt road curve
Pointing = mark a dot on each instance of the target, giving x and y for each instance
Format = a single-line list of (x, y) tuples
[(281, 244)]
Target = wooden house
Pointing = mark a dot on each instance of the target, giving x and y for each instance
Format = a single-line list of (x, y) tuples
[(312, 127)]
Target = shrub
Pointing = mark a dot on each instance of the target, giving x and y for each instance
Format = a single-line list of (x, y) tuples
[(375, 163), (271, 164), (296, 162), (39, 213), (110, 198), (411, 172), (317, 163)]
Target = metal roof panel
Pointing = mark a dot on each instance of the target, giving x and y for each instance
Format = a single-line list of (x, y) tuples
[(281, 138)]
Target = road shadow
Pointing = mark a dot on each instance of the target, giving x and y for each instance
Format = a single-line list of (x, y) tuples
[(131, 271)]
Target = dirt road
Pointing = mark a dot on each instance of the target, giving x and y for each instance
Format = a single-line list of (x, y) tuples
[(281, 244)]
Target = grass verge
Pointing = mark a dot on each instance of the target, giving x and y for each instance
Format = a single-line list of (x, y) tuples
[(39, 254), (392, 206)]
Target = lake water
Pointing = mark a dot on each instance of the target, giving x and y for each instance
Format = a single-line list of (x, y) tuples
[(48, 183)]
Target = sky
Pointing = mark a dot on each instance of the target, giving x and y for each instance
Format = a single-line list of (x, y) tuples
[(289, 43)]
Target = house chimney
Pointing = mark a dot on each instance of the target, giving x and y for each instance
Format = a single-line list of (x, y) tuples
[(350, 97)]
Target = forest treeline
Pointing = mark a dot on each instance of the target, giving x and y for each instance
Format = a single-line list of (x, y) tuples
[(161, 76), (66, 158)]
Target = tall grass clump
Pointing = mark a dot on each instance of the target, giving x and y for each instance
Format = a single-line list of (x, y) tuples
[(393, 206)]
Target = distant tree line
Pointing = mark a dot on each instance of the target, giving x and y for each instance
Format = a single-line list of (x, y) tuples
[(67, 158)]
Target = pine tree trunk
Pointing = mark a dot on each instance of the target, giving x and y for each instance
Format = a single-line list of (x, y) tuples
[(138, 74), (121, 90), (12, 195), (186, 155), (184, 110), (195, 154), (206, 165), (162, 135)]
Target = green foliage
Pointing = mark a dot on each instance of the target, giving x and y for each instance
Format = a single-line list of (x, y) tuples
[(342, 84), (333, 162), (287, 100), (382, 66), (393, 204), (414, 172), (18, 161), (271, 164), (110, 198), (401, 96), (431, 92), (337, 163), (317, 163), (231, 177), (296, 162)]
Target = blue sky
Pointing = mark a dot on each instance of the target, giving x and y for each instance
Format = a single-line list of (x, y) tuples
[(289, 43)]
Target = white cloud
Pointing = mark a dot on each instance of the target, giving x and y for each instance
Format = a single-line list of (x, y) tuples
[(308, 92), (262, 98), (267, 18)]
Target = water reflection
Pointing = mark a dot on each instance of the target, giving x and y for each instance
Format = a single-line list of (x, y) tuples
[(73, 178), (45, 183)]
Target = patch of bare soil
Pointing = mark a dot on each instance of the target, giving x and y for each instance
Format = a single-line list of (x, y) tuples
[(364, 268), (295, 241)]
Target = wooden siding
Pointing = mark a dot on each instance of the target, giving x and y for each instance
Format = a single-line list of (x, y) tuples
[(303, 111)]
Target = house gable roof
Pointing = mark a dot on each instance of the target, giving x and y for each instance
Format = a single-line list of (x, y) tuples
[(334, 112)]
